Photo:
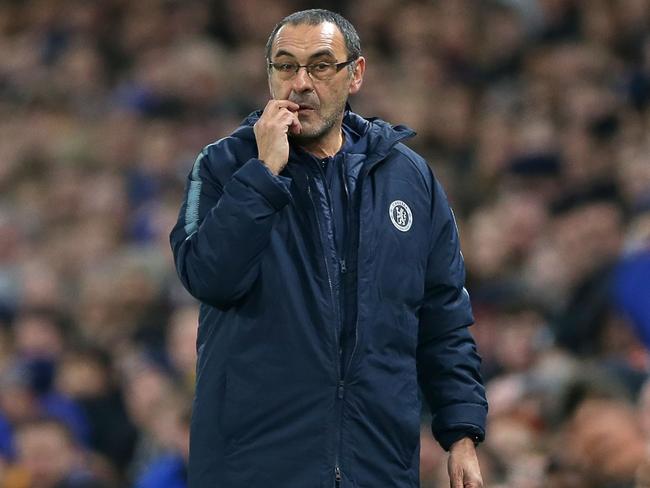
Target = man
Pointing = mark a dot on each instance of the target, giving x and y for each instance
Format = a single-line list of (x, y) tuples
[(327, 262)]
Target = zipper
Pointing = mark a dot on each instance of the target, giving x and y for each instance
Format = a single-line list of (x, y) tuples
[(337, 303), (346, 249), (361, 181), (343, 294), (327, 269), (348, 218), (340, 391)]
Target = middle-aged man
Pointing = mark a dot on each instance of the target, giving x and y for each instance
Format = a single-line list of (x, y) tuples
[(327, 262)]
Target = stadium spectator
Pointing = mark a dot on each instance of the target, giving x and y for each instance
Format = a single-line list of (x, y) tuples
[(49, 457)]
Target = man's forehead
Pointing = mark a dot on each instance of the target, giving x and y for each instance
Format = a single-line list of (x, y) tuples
[(303, 40)]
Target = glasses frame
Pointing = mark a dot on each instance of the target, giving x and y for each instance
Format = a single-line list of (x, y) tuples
[(309, 67)]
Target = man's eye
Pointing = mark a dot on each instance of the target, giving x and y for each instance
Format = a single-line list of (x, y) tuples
[(285, 67), (320, 67)]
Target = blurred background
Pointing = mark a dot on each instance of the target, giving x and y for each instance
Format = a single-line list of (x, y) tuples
[(535, 115)]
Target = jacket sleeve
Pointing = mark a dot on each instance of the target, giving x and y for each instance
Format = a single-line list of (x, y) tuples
[(224, 226), (447, 361)]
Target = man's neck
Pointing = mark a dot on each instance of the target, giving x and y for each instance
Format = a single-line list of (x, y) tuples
[(326, 146)]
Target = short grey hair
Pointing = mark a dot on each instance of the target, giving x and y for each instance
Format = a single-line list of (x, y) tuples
[(317, 16)]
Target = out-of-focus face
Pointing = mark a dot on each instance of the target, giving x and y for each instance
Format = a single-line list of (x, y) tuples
[(144, 390), (46, 453), (38, 336), (82, 377), (606, 440), (322, 102), (18, 402), (181, 342), (587, 237)]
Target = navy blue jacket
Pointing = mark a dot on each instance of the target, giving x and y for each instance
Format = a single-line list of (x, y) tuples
[(280, 399)]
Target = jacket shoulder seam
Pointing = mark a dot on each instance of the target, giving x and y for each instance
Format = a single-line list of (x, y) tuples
[(418, 162)]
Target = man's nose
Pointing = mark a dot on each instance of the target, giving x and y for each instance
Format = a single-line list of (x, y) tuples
[(302, 81)]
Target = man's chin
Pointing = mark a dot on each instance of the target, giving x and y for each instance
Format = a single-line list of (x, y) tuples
[(307, 135)]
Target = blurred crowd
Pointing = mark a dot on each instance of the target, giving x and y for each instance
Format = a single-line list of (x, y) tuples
[(535, 114)]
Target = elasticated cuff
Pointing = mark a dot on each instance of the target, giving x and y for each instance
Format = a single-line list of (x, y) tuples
[(447, 438), (464, 417)]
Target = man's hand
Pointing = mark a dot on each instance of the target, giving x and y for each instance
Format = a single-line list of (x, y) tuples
[(463, 468), (279, 118)]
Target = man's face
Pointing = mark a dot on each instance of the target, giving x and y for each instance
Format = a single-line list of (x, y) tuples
[(46, 453), (322, 101)]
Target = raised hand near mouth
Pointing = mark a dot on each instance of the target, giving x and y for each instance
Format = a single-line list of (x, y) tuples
[(278, 119)]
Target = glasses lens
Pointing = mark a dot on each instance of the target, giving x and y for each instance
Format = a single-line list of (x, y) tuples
[(284, 70), (318, 71), (322, 71)]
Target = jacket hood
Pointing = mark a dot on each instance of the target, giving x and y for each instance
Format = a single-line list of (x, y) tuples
[(376, 136)]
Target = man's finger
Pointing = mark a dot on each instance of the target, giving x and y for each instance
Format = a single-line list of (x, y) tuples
[(295, 128), (290, 121), (294, 107), (455, 477), (280, 104), (474, 483)]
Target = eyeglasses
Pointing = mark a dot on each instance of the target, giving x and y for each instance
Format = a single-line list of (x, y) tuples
[(317, 71)]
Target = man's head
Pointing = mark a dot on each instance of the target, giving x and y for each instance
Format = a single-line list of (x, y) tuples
[(325, 42), (316, 17)]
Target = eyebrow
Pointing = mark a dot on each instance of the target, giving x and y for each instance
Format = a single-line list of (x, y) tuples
[(317, 54)]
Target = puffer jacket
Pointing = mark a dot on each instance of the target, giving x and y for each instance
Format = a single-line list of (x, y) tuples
[(280, 400)]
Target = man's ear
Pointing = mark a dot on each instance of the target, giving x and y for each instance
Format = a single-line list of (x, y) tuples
[(357, 75)]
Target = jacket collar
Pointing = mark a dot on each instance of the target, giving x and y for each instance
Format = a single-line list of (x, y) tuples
[(378, 137)]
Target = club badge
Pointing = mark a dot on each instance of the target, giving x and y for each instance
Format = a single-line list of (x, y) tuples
[(400, 215)]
